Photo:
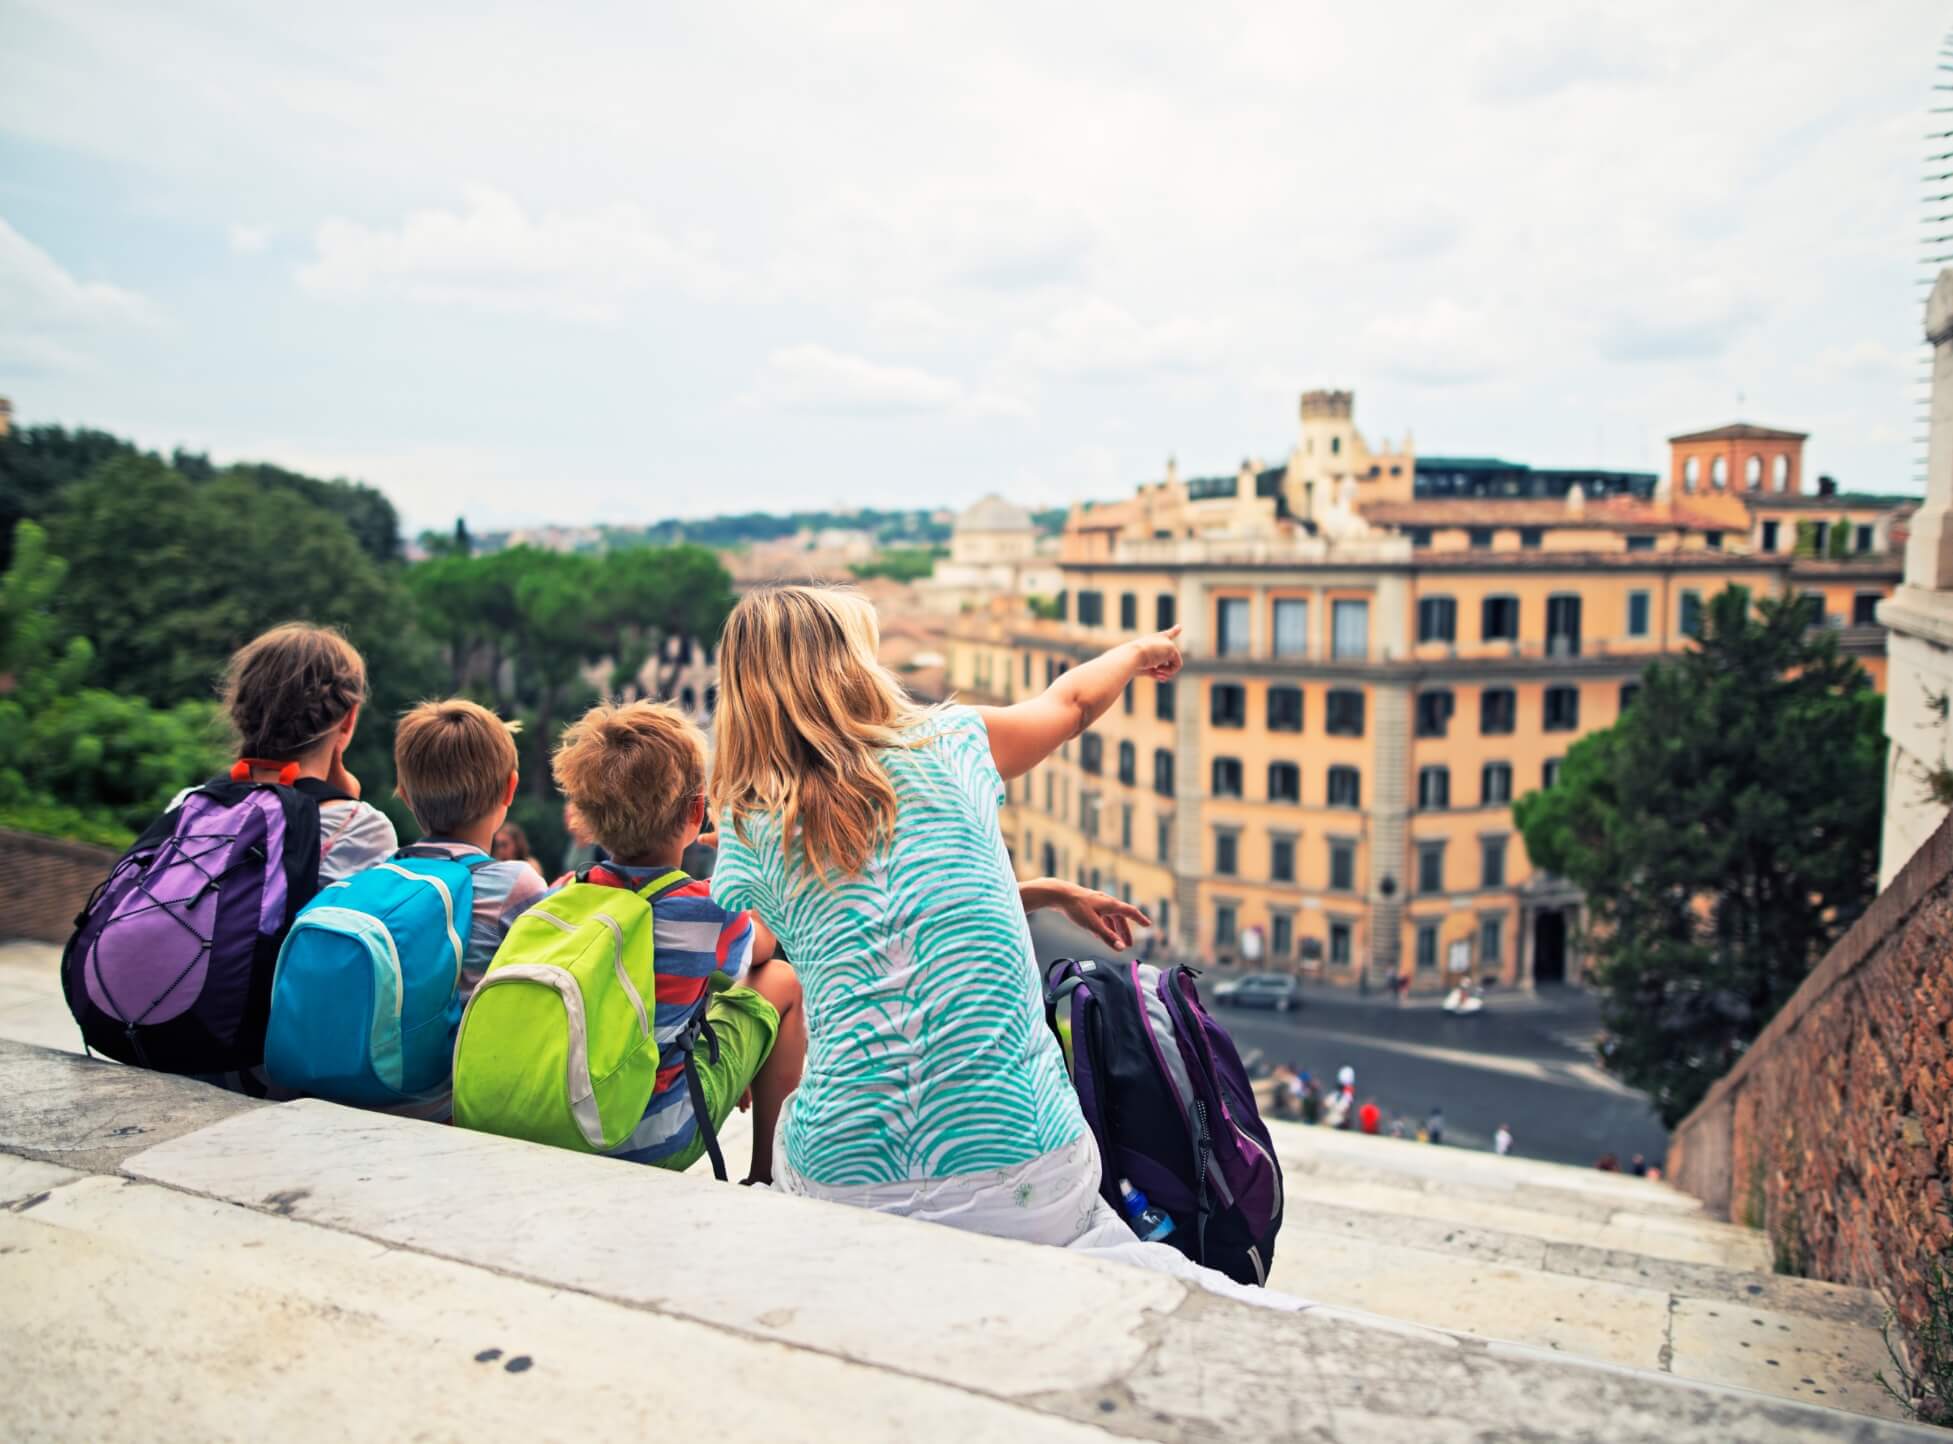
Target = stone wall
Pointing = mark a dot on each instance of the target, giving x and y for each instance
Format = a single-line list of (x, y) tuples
[(1835, 1131), (44, 882)]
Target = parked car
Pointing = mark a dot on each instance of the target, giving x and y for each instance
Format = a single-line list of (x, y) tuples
[(1261, 990)]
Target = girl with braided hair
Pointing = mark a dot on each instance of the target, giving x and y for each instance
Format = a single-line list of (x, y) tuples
[(293, 696)]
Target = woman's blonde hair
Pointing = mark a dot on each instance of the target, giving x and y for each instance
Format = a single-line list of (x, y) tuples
[(804, 707)]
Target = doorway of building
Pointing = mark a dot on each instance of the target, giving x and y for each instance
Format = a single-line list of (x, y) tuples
[(1549, 947)]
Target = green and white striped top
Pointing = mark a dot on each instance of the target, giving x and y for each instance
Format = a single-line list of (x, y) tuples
[(928, 1053)]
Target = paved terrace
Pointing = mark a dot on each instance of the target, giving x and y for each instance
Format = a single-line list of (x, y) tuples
[(176, 1261)]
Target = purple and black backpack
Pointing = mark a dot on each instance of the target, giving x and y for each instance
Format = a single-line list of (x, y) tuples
[(171, 962), (1166, 1096)]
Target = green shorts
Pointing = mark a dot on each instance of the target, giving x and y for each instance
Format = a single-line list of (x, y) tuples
[(746, 1025)]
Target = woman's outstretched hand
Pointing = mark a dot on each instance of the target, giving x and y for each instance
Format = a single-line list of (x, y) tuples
[(1104, 916), (1159, 654)]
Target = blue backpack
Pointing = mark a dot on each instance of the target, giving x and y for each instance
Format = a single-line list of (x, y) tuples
[(365, 1000)]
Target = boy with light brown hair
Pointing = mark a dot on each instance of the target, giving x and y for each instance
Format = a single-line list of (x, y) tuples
[(635, 776), (454, 766)]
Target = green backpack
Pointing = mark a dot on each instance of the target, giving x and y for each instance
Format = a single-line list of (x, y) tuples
[(557, 1045)]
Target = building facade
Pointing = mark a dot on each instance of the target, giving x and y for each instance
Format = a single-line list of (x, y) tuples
[(1373, 675)]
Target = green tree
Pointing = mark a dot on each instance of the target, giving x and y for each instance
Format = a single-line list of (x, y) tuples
[(1841, 538), (1725, 831), (76, 760), (902, 564)]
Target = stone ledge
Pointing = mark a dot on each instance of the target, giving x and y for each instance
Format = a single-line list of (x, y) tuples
[(242, 1255)]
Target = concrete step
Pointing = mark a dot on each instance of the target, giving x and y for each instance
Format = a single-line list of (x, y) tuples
[(1610, 1268)]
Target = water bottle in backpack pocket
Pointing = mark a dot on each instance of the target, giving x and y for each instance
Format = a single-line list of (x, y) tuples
[(170, 963), (365, 1000)]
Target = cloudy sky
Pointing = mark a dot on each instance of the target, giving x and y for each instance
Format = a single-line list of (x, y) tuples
[(627, 261)]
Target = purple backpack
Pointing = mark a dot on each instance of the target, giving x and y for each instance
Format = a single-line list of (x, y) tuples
[(1166, 1096), (170, 964)]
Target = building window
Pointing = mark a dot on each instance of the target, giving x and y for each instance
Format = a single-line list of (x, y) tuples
[(1712, 540), (1231, 623), (1491, 933), (1495, 784), (1434, 707), (1128, 763), (1820, 537), (1498, 619), (1638, 609), (1339, 945), (1163, 843), (1064, 605), (1862, 539), (1125, 827), (1163, 701), (1498, 711), (1437, 619), (1351, 626), (1691, 473), (1769, 536), (1562, 709), (1427, 947), (1284, 782), (1091, 752), (1050, 786), (1227, 852), (1227, 704), (1491, 862), (1051, 670), (1281, 860), (1027, 669), (1691, 614), (1563, 625), (1342, 712), (1530, 537), (1091, 609), (1641, 542), (1753, 473), (1281, 934), (1088, 813), (1162, 772), (1163, 611), (1224, 925), (1128, 612), (1420, 536), (1549, 772), (1126, 700), (1342, 866), (1780, 473), (1284, 709), (1629, 691), (1480, 537), (1864, 609), (1433, 788), (1291, 628), (1227, 777), (1430, 867), (1345, 787), (1719, 472)]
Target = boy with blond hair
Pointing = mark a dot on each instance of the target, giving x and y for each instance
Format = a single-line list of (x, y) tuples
[(454, 766), (635, 775)]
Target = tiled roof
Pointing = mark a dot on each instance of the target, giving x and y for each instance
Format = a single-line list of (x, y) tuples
[(1741, 431), (1604, 513)]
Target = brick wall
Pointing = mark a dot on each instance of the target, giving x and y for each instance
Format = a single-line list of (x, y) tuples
[(1835, 1131), (44, 882)]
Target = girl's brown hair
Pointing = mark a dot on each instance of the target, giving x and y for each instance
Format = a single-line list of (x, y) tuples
[(286, 690), (805, 710)]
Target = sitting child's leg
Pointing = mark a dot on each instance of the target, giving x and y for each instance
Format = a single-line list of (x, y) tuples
[(780, 1075)]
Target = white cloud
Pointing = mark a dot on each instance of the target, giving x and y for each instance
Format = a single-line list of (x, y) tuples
[(814, 378), (55, 322), (1095, 339), (1696, 318), (249, 240), (493, 255), (1443, 343)]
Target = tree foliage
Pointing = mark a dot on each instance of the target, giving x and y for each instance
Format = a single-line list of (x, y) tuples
[(1725, 831)]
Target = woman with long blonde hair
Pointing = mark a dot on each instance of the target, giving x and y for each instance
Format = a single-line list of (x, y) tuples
[(863, 829)]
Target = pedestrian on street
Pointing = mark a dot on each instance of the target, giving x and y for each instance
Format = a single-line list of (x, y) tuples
[(1638, 1166), (1311, 1100), (1502, 1141), (1434, 1125)]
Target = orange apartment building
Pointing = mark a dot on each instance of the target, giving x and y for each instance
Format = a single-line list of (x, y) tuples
[(1383, 652)]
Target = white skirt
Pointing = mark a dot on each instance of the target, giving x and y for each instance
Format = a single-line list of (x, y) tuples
[(1051, 1199)]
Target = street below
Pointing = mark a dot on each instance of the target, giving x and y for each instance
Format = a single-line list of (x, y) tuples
[(1525, 1062)]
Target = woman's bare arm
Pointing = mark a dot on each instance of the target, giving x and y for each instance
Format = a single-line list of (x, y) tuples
[(1023, 735)]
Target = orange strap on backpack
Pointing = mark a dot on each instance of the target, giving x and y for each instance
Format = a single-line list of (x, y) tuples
[(242, 769)]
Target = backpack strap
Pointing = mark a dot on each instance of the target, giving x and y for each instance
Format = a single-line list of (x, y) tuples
[(657, 888), (687, 1041), (425, 851)]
